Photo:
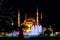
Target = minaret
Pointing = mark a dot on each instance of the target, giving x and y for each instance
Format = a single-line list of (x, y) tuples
[(41, 15), (18, 18), (37, 19)]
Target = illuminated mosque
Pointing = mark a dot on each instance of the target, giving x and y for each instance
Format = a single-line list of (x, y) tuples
[(33, 27)]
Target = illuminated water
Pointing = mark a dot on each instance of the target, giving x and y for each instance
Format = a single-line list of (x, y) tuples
[(35, 31), (11, 35), (14, 34)]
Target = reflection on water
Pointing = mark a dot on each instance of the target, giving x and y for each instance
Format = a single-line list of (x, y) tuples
[(35, 31)]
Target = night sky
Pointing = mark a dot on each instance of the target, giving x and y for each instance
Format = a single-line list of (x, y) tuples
[(29, 7), (8, 9), (50, 11)]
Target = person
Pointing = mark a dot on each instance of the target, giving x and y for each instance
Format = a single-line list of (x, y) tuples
[(21, 31)]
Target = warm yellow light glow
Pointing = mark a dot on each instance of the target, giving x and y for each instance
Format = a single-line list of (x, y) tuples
[(50, 28), (52, 34), (27, 30), (29, 24), (37, 19), (2, 33), (18, 18), (44, 29)]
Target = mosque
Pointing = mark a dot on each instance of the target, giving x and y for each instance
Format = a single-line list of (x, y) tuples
[(32, 27)]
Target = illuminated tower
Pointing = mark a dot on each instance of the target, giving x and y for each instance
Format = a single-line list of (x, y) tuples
[(18, 18), (41, 15), (37, 19)]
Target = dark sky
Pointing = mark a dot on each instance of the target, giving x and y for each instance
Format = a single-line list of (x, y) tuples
[(50, 10), (30, 8), (9, 8)]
